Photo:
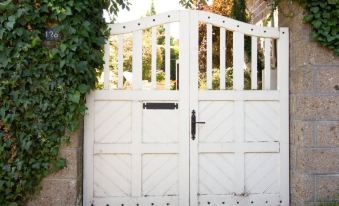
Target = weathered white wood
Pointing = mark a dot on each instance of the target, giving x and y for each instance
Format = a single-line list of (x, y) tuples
[(120, 61), (154, 58), (167, 56), (242, 200), (106, 65), (136, 153), (283, 87), (159, 95), (148, 200), (216, 20), (164, 165), (222, 58), (267, 69), (237, 26), (254, 63), (239, 95), (193, 86), (239, 138), (184, 109), (239, 147), (88, 146), (137, 60), (144, 23), (209, 56), (142, 148), (238, 61)]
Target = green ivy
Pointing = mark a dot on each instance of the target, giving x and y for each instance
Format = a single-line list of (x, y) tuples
[(323, 16), (43, 84)]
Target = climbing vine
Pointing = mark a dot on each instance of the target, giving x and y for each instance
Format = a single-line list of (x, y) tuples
[(43, 83), (323, 17)]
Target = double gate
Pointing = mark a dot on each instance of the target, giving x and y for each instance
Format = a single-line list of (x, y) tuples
[(215, 146)]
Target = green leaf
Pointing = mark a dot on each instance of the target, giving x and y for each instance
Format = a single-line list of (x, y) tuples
[(75, 97), (315, 9), (83, 88), (316, 23), (308, 18)]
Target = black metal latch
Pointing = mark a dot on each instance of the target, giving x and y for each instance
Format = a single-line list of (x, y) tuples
[(193, 124), (160, 105)]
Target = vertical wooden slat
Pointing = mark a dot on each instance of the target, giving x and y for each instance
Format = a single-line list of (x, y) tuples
[(106, 65), (184, 110), (137, 60), (209, 57), (238, 61), (167, 56), (222, 57), (193, 93), (283, 87), (267, 80), (154, 58), (254, 65), (239, 113), (120, 61), (136, 155)]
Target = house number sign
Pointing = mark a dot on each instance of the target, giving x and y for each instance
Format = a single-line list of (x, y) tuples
[(52, 35)]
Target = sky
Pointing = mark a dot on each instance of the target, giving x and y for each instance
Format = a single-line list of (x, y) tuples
[(140, 7)]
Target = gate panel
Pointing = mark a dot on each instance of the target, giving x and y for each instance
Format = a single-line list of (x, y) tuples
[(136, 136), (240, 153)]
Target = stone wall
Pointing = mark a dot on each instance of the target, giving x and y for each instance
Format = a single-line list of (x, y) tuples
[(64, 188), (314, 114)]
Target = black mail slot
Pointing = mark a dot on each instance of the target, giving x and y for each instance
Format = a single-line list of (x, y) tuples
[(157, 105)]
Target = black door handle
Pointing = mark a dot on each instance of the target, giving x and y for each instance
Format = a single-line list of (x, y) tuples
[(193, 124)]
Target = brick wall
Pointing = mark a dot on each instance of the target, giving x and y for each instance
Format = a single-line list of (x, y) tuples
[(314, 114), (258, 10), (64, 188)]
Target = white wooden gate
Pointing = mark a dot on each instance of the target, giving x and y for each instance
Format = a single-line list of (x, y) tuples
[(146, 146)]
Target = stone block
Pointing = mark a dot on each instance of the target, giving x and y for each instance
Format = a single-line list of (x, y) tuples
[(327, 80), (299, 54), (327, 188), (302, 188), (301, 80), (56, 193), (72, 169), (317, 108), (293, 158), (327, 134), (301, 133), (321, 55), (318, 161)]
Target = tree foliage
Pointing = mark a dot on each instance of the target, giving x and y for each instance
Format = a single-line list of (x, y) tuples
[(42, 84)]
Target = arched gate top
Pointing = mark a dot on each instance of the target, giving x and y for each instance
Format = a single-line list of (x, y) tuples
[(206, 17)]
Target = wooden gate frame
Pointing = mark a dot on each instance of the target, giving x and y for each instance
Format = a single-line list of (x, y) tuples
[(189, 59)]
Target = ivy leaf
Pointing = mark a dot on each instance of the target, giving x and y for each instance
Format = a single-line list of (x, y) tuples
[(83, 88), (316, 23), (315, 9), (10, 23), (334, 2), (75, 97), (308, 18)]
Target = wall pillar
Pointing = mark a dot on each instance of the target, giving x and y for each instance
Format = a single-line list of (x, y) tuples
[(314, 114), (64, 188)]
